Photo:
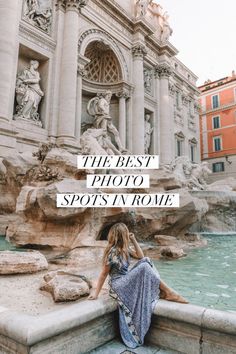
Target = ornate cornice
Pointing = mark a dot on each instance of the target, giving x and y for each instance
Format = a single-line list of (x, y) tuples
[(123, 94), (163, 70), (71, 4), (36, 36), (139, 50)]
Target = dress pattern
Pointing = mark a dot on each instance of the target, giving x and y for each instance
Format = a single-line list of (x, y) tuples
[(136, 291)]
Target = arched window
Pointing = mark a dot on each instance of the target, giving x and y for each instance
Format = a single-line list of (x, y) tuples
[(104, 66)]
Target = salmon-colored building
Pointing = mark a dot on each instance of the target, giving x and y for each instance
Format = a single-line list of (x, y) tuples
[(218, 126)]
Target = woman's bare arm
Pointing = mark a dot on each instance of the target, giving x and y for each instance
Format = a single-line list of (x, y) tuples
[(102, 277), (138, 251)]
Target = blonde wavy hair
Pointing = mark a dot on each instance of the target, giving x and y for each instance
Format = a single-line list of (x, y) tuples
[(118, 237)]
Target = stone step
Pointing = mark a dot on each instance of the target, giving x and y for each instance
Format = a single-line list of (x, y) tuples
[(117, 347)]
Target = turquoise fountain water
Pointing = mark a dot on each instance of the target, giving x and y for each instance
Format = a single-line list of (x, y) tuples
[(207, 276), (6, 246)]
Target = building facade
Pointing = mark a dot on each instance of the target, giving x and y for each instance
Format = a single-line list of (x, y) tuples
[(56, 55), (218, 126)]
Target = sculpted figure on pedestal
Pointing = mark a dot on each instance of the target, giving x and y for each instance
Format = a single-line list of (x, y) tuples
[(161, 22), (38, 17), (148, 133), (147, 80), (29, 93), (166, 29), (99, 108), (142, 7)]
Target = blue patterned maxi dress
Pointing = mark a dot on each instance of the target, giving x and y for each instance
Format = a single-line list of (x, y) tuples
[(137, 291)]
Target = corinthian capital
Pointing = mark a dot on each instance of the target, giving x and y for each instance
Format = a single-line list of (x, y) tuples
[(71, 4), (163, 70), (123, 94), (139, 50)]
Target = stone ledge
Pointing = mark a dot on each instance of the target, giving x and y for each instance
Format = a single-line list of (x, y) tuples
[(29, 330), (187, 328)]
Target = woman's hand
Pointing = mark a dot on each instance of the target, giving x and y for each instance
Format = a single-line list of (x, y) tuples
[(92, 297), (132, 237)]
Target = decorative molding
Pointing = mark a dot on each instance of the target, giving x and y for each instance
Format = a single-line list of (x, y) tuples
[(139, 50), (193, 141), (163, 70), (172, 89), (37, 37), (81, 71), (185, 99), (180, 135), (123, 94), (76, 5)]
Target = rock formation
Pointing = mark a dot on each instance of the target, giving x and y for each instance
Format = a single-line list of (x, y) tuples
[(22, 262), (65, 286), (39, 222)]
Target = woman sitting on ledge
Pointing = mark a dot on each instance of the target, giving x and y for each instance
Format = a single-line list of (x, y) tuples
[(136, 290)]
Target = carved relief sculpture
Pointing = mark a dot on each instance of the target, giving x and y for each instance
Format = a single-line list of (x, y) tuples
[(40, 17), (99, 108), (29, 93), (148, 133)]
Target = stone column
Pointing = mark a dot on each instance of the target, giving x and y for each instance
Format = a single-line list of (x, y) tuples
[(69, 63), (80, 74), (138, 100), (9, 26), (123, 95), (164, 71)]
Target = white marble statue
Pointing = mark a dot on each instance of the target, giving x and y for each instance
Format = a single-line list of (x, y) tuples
[(190, 174), (161, 21), (147, 80), (38, 17), (97, 142), (99, 108), (148, 133), (166, 29), (142, 7), (29, 93)]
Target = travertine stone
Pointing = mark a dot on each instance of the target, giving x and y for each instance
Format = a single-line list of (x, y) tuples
[(9, 27), (139, 52), (22, 262), (65, 286), (66, 124)]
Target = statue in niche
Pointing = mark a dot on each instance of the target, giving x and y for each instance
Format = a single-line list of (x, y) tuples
[(166, 29), (147, 80), (29, 93), (142, 7), (42, 18), (148, 133), (99, 108)]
